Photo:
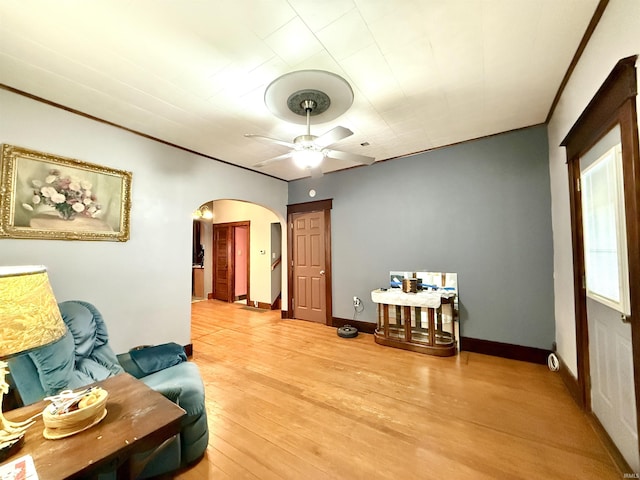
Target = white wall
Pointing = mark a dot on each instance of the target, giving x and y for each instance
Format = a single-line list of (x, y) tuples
[(143, 286), (617, 36)]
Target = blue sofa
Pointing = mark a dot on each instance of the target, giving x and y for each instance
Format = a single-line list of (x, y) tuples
[(83, 356)]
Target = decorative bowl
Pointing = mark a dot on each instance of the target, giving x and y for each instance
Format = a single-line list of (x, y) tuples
[(85, 411)]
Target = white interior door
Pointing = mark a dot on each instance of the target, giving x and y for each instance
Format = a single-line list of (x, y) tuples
[(613, 398), (607, 283)]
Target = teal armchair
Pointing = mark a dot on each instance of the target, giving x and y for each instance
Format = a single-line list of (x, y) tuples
[(83, 356)]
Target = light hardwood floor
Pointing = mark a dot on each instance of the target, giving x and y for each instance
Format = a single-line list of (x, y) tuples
[(289, 399)]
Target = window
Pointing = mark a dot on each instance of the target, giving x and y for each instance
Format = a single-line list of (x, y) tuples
[(607, 277)]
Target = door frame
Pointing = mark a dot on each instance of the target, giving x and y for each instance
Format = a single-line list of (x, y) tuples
[(307, 207), (231, 258), (613, 104)]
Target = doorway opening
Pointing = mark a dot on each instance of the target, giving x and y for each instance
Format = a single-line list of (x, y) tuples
[(604, 192), (309, 272), (242, 245), (231, 261)]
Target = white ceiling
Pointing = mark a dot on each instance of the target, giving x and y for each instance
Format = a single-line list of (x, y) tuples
[(425, 73)]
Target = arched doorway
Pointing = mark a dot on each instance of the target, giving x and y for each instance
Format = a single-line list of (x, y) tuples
[(253, 252)]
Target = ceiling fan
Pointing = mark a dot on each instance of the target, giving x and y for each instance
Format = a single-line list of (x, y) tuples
[(308, 151)]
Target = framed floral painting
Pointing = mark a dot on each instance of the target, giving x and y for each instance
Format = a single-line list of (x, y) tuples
[(50, 197)]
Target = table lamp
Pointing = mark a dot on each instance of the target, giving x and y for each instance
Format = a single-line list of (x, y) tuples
[(29, 318)]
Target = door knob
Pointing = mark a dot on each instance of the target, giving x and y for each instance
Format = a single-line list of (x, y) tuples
[(625, 318), (322, 272)]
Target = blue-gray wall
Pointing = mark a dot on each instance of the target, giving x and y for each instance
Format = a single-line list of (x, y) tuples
[(481, 209)]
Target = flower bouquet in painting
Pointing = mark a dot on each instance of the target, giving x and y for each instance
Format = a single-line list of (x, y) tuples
[(69, 196)]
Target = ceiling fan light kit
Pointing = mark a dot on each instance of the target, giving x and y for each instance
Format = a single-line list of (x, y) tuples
[(326, 97), (307, 158)]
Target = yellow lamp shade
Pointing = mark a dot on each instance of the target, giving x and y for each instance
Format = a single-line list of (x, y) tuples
[(29, 313)]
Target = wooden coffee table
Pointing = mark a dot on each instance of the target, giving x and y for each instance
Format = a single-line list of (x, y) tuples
[(138, 419)]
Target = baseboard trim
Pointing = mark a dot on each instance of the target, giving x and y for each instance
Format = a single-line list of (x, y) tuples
[(571, 383), (616, 457), (505, 350), (363, 327), (277, 303), (573, 386), (256, 304), (284, 314), (188, 349)]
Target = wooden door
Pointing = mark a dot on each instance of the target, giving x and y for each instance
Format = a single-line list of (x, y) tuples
[(309, 269), (608, 340), (222, 259), (607, 290)]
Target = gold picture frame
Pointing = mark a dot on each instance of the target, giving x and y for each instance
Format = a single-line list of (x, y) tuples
[(44, 196)]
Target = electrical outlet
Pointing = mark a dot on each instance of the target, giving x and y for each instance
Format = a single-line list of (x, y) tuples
[(356, 302)]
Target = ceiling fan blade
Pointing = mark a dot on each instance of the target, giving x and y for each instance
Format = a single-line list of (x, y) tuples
[(272, 160), (270, 140), (350, 157), (332, 136)]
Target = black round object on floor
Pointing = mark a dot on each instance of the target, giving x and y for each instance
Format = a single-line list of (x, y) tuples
[(347, 331)]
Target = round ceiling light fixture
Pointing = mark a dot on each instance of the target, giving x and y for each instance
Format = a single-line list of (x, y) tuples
[(286, 95), (307, 158)]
